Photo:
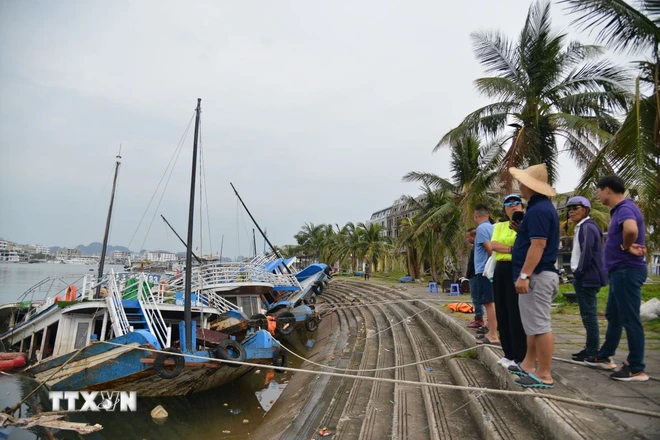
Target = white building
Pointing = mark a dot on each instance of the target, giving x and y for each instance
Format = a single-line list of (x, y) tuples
[(37, 249), (161, 256), (4, 245), (9, 257)]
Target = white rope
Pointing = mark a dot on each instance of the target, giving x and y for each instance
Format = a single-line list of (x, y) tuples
[(408, 382), (384, 368)]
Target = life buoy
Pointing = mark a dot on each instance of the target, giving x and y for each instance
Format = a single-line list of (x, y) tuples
[(71, 293), (311, 324), (286, 322), (280, 359), (230, 350), (159, 363)]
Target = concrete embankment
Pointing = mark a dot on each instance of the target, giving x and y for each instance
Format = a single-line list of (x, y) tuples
[(369, 331)]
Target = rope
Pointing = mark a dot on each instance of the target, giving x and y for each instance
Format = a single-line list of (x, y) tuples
[(437, 358), (176, 153), (410, 382)]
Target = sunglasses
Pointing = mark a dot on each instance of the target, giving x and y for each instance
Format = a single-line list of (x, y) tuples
[(512, 203), (574, 207)]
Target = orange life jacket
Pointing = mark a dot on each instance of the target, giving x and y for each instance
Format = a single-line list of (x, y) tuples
[(461, 307)]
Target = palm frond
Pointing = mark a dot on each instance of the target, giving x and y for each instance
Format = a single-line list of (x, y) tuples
[(622, 26)]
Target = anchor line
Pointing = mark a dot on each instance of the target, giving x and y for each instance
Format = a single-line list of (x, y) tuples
[(493, 391)]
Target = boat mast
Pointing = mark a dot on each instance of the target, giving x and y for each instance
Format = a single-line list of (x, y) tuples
[(254, 242), (179, 237), (257, 225), (187, 310), (107, 226)]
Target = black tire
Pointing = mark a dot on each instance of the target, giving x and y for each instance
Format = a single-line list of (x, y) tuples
[(159, 363), (286, 323), (311, 300), (230, 350), (280, 359), (311, 324), (261, 320), (325, 284)]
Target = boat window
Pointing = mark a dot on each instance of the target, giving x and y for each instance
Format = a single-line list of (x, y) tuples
[(51, 336), (81, 335), (232, 299)]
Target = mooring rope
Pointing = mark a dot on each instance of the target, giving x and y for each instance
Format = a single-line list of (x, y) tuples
[(407, 382)]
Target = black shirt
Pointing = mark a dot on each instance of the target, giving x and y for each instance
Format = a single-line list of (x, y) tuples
[(470, 266)]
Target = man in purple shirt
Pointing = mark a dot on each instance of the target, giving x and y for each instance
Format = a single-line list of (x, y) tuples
[(626, 266)]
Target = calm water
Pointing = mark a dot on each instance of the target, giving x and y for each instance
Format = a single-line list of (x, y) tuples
[(198, 416)]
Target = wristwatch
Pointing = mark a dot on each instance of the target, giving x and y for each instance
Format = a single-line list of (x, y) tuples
[(524, 276)]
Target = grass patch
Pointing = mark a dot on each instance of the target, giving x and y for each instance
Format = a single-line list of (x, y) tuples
[(470, 354), (390, 277), (652, 326), (649, 290)]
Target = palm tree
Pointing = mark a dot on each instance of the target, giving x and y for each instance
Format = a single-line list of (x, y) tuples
[(634, 151), (410, 242), (545, 89), (312, 239), (375, 246)]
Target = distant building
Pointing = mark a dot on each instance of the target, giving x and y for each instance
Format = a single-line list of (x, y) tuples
[(390, 217), (161, 256), (32, 249), (9, 257), (120, 256), (3, 245), (66, 253)]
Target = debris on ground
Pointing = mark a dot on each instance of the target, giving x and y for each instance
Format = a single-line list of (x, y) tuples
[(48, 420)]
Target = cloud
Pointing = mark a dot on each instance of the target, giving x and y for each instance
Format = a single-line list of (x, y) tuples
[(314, 110)]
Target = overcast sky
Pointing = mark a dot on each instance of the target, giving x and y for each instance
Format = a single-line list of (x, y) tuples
[(314, 110)]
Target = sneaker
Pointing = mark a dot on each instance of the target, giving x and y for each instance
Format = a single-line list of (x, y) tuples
[(580, 357), (476, 323), (627, 375), (508, 364), (503, 361), (605, 363)]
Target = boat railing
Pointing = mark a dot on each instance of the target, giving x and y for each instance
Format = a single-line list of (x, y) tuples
[(214, 300), (149, 303), (210, 275), (64, 288), (120, 325)]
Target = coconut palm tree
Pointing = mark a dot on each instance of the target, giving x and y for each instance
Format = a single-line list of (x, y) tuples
[(312, 239), (375, 245), (411, 242), (545, 90), (634, 151)]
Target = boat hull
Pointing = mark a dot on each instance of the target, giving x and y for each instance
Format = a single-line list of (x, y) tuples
[(129, 367)]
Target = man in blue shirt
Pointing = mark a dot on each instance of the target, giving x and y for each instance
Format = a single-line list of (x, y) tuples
[(537, 282), (624, 260), (484, 288)]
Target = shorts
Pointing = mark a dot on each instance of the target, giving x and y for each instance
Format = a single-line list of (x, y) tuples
[(484, 289), (535, 306)]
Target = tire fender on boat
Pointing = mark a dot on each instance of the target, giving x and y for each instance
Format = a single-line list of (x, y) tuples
[(286, 322), (230, 350), (280, 359), (311, 324), (169, 353)]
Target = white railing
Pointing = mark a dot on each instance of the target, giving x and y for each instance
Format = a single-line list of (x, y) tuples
[(215, 274), (120, 325), (149, 304), (58, 289), (221, 304)]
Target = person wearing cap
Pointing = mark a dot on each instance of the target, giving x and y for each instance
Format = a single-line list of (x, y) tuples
[(626, 266), (537, 281), (588, 271), (510, 328)]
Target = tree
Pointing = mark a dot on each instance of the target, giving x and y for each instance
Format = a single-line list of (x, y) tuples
[(634, 151), (375, 246), (544, 89), (312, 239)]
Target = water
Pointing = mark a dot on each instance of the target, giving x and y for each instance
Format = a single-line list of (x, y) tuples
[(202, 415)]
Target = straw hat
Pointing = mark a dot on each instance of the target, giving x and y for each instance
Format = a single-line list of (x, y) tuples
[(534, 178)]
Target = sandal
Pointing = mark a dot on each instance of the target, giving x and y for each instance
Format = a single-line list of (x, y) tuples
[(517, 370), (531, 381), (486, 341)]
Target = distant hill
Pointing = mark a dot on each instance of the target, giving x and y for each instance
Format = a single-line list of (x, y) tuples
[(96, 247)]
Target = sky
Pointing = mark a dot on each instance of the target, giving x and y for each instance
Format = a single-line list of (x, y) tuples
[(314, 110)]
